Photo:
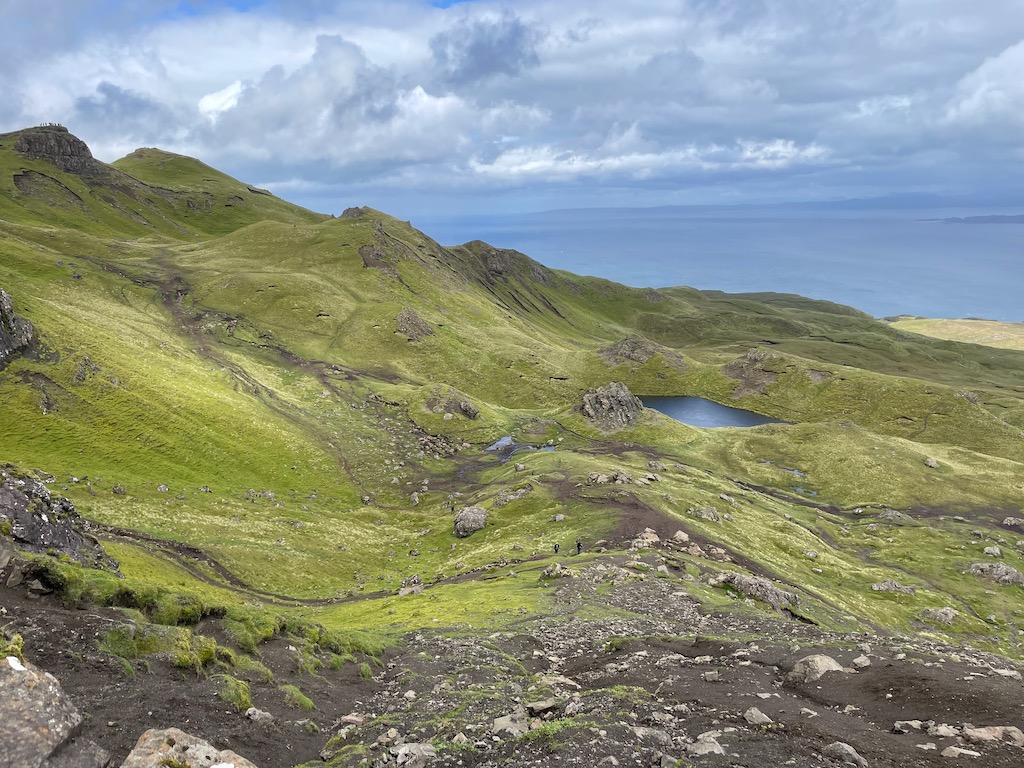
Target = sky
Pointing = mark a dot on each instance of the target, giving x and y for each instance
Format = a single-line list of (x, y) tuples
[(425, 108)]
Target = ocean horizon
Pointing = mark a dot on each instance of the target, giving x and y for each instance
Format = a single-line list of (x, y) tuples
[(882, 261)]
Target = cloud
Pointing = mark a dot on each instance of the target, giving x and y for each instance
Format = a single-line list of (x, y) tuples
[(537, 99), (481, 48)]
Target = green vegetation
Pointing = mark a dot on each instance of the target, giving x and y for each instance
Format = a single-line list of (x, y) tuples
[(234, 691), (293, 697), (229, 377)]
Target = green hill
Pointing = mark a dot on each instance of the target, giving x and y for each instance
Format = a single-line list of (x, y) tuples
[(304, 399)]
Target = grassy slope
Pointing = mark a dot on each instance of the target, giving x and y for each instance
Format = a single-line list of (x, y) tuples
[(989, 333), (248, 348)]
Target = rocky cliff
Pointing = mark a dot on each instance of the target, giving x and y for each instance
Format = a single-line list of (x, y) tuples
[(55, 144), (15, 332)]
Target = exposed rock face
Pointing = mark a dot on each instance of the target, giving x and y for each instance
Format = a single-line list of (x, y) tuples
[(39, 725), (893, 586), (156, 749), (469, 521), (637, 350), (411, 325), (612, 406), (1000, 573), (942, 615), (15, 332), (55, 144), (753, 377), (40, 523)]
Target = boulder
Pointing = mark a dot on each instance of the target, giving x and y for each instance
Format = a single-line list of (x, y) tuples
[(893, 586), (759, 588), (510, 726), (1000, 573), (612, 406), (470, 520), (811, 668), (173, 747), (39, 724), (646, 539), (843, 752), (755, 716), (415, 755)]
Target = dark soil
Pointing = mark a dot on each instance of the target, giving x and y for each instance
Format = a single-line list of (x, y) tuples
[(634, 669)]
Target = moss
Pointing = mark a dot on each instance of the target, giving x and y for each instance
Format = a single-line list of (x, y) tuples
[(234, 691), (294, 697), (12, 644)]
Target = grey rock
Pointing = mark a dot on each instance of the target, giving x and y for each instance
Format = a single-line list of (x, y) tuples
[(758, 588), (755, 716), (536, 708), (959, 752), (843, 752), (510, 726), (15, 332), (931, 463), (259, 715), (993, 551), (897, 518), (811, 668), (1000, 573), (158, 748), (39, 723), (414, 755), (612, 406), (893, 586), (470, 520)]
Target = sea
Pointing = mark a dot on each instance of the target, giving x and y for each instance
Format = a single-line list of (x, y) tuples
[(882, 261)]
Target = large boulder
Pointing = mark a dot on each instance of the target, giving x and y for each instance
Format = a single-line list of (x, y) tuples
[(470, 520), (173, 747), (759, 588), (811, 668), (15, 332), (1000, 573), (39, 724), (612, 406)]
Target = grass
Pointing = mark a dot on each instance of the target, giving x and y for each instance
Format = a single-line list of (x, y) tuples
[(247, 350), (294, 697), (235, 692), (989, 333)]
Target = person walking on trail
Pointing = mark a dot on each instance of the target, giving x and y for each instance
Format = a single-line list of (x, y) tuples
[(556, 549), (579, 546)]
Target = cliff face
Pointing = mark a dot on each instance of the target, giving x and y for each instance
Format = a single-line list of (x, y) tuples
[(55, 144), (15, 332)]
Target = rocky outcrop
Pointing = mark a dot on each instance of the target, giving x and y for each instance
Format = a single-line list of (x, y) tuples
[(751, 373), (612, 406), (55, 144), (1000, 573), (39, 726), (813, 667), (470, 520), (412, 326), (38, 522), (15, 332), (173, 747)]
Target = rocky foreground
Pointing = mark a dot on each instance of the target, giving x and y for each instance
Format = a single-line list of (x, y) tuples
[(628, 671)]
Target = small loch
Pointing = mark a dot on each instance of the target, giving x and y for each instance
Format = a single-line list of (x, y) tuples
[(698, 412)]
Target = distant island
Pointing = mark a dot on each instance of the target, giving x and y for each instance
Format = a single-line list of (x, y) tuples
[(1018, 219)]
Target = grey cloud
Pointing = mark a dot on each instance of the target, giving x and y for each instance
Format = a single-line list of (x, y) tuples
[(479, 49)]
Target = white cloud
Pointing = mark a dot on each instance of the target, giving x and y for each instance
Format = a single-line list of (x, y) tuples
[(212, 104)]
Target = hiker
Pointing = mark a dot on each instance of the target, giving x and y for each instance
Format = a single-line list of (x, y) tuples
[(579, 547), (556, 549)]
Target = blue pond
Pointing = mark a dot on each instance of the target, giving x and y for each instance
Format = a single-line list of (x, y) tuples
[(698, 412)]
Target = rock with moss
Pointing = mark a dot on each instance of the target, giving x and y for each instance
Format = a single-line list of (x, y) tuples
[(412, 326), (612, 406)]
